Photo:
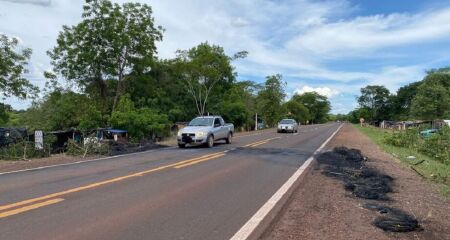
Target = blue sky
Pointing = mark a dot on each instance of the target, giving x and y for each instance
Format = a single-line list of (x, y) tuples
[(332, 47)]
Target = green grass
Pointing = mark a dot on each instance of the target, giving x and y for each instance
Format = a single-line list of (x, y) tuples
[(431, 169)]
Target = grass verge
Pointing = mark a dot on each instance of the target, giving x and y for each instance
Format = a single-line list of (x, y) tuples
[(426, 166)]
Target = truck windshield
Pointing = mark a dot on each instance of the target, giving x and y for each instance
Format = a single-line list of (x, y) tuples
[(201, 122)]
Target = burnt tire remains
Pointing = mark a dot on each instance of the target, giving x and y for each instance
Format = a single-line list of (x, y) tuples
[(348, 165)]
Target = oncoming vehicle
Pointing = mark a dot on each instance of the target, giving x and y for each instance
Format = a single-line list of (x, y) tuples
[(287, 125), (205, 130)]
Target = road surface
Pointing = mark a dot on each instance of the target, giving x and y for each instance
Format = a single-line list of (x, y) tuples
[(194, 193)]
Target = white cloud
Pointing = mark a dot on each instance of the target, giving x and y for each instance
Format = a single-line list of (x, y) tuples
[(366, 34), (301, 39), (324, 91), (240, 22)]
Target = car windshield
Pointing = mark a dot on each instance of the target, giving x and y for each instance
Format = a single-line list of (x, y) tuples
[(287, 121), (201, 122)]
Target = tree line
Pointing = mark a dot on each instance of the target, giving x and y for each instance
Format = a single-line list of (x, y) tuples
[(106, 73), (428, 99)]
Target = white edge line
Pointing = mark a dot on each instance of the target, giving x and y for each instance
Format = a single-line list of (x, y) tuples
[(84, 161), (256, 219)]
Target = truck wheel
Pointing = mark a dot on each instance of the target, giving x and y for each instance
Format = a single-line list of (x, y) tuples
[(181, 145), (210, 141), (229, 138)]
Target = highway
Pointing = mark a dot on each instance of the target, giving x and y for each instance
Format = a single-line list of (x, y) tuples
[(169, 193)]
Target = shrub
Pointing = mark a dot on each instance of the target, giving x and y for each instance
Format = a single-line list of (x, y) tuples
[(89, 148), (409, 138), (438, 146), (140, 123), (23, 149)]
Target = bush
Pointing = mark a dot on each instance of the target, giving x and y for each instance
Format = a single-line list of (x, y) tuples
[(90, 148), (140, 123), (23, 149), (437, 146), (409, 138)]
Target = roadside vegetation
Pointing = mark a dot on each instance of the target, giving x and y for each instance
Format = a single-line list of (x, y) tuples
[(106, 73), (415, 152), (428, 99)]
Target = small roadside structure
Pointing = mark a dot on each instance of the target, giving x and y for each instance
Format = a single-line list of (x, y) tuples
[(12, 135), (111, 134), (62, 137)]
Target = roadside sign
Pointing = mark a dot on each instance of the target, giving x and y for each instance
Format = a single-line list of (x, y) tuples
[(39, 139)]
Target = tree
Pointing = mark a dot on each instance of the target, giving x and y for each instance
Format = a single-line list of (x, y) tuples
[(110, 42), (5, 109), (432, 100), (358, 113), (140, 123), (202, 69), (270, 99), (238, 105), (12, 67), (62, 110), (401, 102), (376, 99), (297, 111), (317, 105)]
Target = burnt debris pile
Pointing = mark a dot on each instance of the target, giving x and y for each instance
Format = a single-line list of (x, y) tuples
[(392, 219), (349, 166)]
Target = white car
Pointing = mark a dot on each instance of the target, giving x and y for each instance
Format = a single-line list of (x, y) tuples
[(287, 125)]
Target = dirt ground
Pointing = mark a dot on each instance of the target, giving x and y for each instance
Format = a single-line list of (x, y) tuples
[(321, 209)]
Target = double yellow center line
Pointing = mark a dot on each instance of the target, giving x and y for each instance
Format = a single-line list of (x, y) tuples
[(33, 203), (255, 144)]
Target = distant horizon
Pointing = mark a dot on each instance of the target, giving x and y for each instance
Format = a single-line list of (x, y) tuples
[(331, 47)]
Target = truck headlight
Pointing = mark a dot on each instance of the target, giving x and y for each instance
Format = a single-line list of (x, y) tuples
[(179, 134), (199, 134)]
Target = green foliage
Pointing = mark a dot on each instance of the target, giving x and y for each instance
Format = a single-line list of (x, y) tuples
[(162, 89), (338, 117), (238, 106), (23, 149), (409, 138), (431, 168), (437, 146), (402, 101), (270, 99), (62, 111), (428, 99), (5, 110), (296, 110), (206, 71), (110, 41), (432, 100), (12, 68), (376, 99), (140, 123), (91, 148), (318, 106)]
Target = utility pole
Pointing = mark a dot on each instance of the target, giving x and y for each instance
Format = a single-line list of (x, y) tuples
[(256, 122)]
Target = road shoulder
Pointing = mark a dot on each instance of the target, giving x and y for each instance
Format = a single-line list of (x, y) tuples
[(62, 158), (329, 212)]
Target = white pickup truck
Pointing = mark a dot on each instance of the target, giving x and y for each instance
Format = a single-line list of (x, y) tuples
[(205, 130)]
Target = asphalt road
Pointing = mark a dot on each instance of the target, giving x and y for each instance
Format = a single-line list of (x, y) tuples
[(194, 193)]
